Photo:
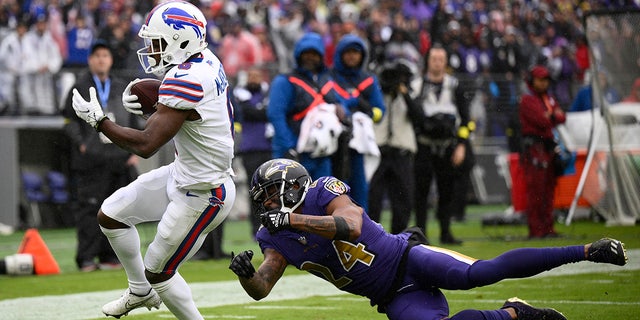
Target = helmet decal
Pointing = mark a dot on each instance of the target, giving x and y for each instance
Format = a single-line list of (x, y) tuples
[(280, 166), (179, 19)]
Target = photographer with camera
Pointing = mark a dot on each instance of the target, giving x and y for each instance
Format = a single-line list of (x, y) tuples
[(395, 137), (443, 147)]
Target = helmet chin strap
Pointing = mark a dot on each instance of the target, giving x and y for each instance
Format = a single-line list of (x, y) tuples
[(287, 209), (284, 208)]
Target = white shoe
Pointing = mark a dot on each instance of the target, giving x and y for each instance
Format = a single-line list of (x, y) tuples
[(129, 301)]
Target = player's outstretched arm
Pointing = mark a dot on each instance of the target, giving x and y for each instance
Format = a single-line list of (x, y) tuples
[(259, 285), (342, 222)]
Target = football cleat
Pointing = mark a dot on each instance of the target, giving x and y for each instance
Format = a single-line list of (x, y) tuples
[(607, 250), (109, 266), (129, 301), (525, 311)]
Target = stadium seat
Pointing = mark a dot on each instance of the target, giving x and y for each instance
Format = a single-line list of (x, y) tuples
[(34, 194), (57, 187)]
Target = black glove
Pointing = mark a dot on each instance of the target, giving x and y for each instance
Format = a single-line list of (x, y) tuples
[(275, 220), (241, 264)]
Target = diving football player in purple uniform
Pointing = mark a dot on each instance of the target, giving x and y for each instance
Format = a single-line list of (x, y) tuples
[(315, 226)]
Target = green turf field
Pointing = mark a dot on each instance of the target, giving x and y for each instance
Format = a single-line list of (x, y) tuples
[(581, 291)]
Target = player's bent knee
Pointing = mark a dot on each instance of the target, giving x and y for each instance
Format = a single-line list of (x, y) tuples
[(108, 222), (157, 277)]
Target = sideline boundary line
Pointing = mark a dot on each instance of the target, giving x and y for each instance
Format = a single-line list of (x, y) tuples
[(88, 305)]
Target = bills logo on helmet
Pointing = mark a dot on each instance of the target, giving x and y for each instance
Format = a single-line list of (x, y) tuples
[(336, 186), (180, 19)]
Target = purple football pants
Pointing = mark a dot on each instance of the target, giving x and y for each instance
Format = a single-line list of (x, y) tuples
[(430, 269)]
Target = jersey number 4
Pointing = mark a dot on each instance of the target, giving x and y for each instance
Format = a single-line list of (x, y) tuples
[(349, 254)]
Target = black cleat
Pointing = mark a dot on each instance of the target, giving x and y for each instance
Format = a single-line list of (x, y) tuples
[(449, 239), (525, 311), (607, 250)]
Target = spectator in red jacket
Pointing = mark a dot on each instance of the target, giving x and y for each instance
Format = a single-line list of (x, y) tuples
[(539, 114), (239, 49)]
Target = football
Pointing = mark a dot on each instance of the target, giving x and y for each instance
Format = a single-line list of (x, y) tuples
[(147, 92)]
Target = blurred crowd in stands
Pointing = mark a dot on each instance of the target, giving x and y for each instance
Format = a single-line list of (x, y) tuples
[(491, 43)]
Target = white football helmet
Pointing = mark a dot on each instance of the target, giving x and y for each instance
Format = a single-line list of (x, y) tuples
[(173, 32)]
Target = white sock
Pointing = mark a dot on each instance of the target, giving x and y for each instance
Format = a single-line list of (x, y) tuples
[(176, 295), (126, 243)]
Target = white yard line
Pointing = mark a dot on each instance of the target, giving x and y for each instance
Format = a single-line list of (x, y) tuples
[(211, 294)]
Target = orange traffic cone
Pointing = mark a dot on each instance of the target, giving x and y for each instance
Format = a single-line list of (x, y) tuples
[(43, 260)]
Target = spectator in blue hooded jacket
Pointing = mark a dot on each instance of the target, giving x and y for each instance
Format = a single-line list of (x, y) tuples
[(584, 99), (358, 91), (294, 95)]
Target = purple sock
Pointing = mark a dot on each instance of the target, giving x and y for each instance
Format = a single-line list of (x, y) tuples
[(522, 263)]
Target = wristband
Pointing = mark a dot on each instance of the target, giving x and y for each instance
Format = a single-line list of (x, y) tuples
[(342, 229), (100, 121)]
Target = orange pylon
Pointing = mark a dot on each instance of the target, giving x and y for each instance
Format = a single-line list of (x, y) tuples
[(43, 260)]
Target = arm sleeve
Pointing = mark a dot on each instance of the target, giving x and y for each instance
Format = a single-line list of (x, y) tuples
[(559, 116), (415, 113), (377, 101), (182, 93), (462, 103), (532, 115)]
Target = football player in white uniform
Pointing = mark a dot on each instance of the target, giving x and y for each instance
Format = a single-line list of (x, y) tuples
[(190, 196)]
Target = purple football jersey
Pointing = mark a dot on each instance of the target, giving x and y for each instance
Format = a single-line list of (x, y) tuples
[(365, 267)]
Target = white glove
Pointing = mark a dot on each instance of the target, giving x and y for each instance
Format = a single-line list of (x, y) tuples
[(130, 101), (89, 111)]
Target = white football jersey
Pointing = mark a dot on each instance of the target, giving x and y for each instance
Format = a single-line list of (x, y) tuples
[(204, 148)]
